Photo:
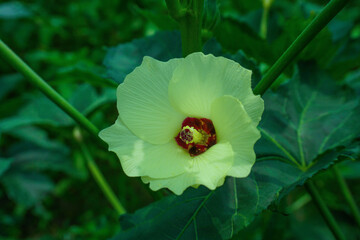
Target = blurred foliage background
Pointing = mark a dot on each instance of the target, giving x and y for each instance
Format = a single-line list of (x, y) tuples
[(46, 190)]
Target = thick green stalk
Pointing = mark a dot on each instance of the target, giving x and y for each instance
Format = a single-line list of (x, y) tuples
[(325, 212), (10, 57), (98, 176), (309, 33), (190, 22), (190, 29), (347, 194)]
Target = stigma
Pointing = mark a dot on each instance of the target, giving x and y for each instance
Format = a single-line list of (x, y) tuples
[(191, 135), (196, 135)]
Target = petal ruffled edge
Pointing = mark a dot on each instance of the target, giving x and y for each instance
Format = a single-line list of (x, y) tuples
[(208, 169), (233, 124), (140, 158), (200, 79)]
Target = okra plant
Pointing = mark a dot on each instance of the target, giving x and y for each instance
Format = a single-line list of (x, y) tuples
[(227, 115)]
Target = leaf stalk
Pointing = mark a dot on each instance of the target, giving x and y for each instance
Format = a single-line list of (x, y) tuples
[(347, 194), (98, 176), (324, 210)]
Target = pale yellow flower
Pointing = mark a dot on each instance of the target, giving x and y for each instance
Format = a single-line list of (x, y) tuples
[(186, 122)]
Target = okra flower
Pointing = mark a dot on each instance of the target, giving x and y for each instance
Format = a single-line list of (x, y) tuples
[(186, 122)]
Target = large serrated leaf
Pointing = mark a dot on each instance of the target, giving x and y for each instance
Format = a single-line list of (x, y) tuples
[(27, 188), (23, 179), (219, 214), (305, 119), (84, 98)]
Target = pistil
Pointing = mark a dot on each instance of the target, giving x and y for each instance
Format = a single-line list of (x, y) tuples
[(196, 135)]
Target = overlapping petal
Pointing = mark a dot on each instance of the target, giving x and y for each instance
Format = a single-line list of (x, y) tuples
[(154, 100), (140, 158), (200, 79), (143, 102), (233, 124)]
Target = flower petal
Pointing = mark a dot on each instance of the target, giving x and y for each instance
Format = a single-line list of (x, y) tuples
[(140, 158), (233, 124), (208, 168), (143, 104), (200, 79)]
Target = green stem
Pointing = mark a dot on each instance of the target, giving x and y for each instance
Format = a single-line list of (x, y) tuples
[(309, 33), (190, 23), (347, 194), (263, 24), (325, 212), (35, 79), (98, 176), (299, 203)]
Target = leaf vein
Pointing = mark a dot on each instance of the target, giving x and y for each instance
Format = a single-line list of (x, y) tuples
[(194, 215)]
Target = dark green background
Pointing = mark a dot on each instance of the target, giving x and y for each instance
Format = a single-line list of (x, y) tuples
[(85, 48)]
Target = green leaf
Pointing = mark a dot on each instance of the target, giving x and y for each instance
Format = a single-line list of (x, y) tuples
[(4, 165), (241, 32), (35, 135), (304, 119), (346, 59), (219, 214), (26, 188), (350, 167), (160, 18), (340, 29), (321, 49), (13, 10), (84, 71), (243, 6), (353, 80), (23, 181), (211, 14), (351, 170), (29, 157), (8, 83), (234, 34), (33, 113), (244, 61), (122, 59), (84, 98)]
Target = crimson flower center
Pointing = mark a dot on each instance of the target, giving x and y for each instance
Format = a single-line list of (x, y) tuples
[(196, 135)]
